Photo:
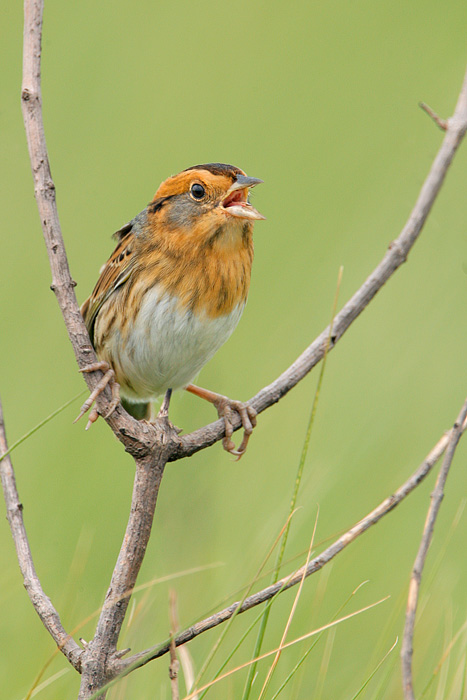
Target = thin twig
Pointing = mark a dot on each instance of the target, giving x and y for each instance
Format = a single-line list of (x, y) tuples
[(442, 123), (137, 436), (148, 445), (153, 446), (173, 671), (396, 255), (314, 565), (186, 662), (329, 625), (221, 637), (42, 603), (414, 587)]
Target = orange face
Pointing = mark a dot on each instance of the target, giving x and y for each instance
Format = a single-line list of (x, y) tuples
[(204, 199)]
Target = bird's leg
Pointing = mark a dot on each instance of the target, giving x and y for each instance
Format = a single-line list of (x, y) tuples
[(162, 418), (225, 408), (164, 409), (108, 378)]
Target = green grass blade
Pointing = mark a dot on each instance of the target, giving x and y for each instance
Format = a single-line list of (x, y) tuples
[(462, 690), (310, 649), (240, 641), (445, 656), (375, 671), (40, 425), (298, 478), (291, 615), (265, 655), (238, 608), (380, 692)]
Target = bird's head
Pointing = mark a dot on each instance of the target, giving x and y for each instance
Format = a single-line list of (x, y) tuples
[(205, 201)]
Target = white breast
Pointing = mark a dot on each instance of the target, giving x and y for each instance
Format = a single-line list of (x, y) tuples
[(165, 347)]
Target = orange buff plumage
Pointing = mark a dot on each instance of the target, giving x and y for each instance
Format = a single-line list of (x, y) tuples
[(173, 291)]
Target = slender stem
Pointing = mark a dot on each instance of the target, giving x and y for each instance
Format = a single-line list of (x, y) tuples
[(152, 446), (135, 435), (396, 254), (298, 480), (103, 647), (125, 665), (414, 588), (41, 602)]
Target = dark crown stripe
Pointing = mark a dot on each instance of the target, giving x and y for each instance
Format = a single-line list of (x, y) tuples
[(217, 169)]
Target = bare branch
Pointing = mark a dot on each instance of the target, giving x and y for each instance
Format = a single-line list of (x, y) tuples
[(128, 664), (442, 123), (414, 587), (152, 446), (138, 438), (173, 671), (42, 604), (396, 254), (148, 444), (98, 655), (174, 663)]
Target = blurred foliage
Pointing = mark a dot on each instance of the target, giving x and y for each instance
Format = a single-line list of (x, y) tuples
[(320, 101)]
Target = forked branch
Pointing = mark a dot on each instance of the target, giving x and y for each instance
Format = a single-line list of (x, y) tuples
[(42, 603), (153, 446), (314, 565), (396, 254), (414, 588)]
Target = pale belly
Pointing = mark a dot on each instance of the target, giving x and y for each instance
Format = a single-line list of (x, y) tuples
[(165, 347)]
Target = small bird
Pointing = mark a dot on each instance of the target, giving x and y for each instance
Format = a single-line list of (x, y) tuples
[(173, 291)]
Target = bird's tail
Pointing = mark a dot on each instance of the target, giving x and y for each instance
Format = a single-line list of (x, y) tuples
[(140, 411)]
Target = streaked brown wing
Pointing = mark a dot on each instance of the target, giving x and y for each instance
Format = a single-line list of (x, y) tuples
[(115, 272)]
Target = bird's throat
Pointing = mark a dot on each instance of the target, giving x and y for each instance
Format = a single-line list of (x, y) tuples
[(232, 236)]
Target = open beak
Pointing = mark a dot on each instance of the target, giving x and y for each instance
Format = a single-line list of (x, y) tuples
[(236, 202)]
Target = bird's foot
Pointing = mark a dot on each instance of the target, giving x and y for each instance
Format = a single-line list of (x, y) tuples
[(108, 378), (226, 409)]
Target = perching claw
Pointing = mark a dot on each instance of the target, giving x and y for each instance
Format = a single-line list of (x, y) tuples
[(225, 409), (108, 378)]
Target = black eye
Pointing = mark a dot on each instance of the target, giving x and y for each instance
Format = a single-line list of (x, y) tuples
[(198, 191)]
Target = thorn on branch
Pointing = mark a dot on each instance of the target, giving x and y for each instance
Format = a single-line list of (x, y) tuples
[(442, 123), (120, 654), (48, 187), (18, 507), (395, 245)]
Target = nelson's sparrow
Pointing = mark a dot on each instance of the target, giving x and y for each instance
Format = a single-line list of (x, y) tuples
[(173, 291)]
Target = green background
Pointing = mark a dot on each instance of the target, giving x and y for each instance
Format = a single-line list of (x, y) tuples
[(320, 101)]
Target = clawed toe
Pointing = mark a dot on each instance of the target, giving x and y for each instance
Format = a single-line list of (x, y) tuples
[(226, 408), (108, 378), (93, 416)]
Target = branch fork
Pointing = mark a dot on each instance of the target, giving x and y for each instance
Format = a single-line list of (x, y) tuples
[(152, 447)]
